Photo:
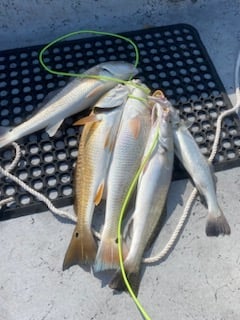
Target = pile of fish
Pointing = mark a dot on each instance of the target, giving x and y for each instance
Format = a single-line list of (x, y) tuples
[(117, 135)]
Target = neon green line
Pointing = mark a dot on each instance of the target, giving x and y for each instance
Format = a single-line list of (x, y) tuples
[(126, 200), (80, 32), (134, 182)]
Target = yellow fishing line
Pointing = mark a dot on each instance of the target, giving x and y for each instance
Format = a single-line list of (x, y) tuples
[(134, 182), (126, 200), (69, 74)]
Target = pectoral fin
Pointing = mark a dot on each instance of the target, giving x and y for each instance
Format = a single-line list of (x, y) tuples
[(99, 194), (135, 126), (51, 130), (109, 140)]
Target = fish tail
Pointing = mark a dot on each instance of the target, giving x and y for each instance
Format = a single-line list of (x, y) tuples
[(133, 277), (217, 224), (108, 255), (81, 250)]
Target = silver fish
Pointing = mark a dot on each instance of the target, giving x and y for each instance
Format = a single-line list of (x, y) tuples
[(76, 96), (95, 151), (127, 155), (152, 192), (200, 171)]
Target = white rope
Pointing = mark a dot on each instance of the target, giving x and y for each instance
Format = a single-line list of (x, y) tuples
[(8, 169), (39, 196), (189, 203)]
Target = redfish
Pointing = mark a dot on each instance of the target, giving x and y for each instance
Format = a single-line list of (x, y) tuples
[(95, 151)]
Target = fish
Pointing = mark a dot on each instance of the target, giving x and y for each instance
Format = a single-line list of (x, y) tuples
[(128, 151), (152, 190), (200, 171), (95, 151), (77, 95)]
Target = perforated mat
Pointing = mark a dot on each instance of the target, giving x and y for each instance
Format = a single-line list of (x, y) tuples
[(172, 58)]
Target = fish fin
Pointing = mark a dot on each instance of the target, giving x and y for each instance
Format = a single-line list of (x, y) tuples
[(81, 250), (135, 126), (91, 118), (110, 140), (107, 255), (99, 194), (217, 225), (51, 130), (117, 282)]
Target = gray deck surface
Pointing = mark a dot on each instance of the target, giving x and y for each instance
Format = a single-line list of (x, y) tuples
[(200, 279)]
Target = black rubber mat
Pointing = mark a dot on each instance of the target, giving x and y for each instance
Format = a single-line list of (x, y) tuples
[(172, 59)]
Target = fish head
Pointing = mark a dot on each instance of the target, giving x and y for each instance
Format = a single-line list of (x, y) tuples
[(161, 118), (115, 97), (159, 97), (118, 69)]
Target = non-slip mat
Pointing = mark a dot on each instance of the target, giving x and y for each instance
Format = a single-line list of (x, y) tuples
[(172, 59)]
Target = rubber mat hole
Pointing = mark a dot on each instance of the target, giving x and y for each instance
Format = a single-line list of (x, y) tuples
[(72, 142), (10, 191), (231, 154), (50, 169), (23, 175), (236, 141), (33, 138), (63, 166), (52, 194), (195, 128), (61, 155), (64, 178), (74, 153), (48, 157), (5, 122), (28, 98), (202, 115), (17, 110), (51, 181), (67, 191), (206, 125), (16, 100), (226, 144), (24, 200), (4, 112), (204, 150), (34, 148), (59, 144), (17, 120), (36, 172), (233, 131), (37, 184), (191, 117), (199, 138), (210, 135), (47, 146)]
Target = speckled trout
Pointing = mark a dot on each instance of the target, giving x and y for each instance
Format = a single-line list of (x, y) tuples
[(200, 171), (95, 151), (152, 190), (76, 96), (127, 155)]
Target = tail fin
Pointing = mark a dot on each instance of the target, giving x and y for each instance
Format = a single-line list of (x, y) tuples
[(217, 225), (82, 249), (108, 256), (117, 282)]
